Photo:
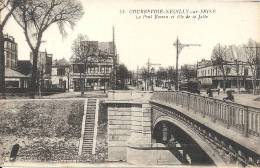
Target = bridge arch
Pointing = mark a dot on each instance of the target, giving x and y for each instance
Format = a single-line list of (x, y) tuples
[(193, 135)]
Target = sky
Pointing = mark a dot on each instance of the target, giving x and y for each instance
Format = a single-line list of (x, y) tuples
[(139, 39)]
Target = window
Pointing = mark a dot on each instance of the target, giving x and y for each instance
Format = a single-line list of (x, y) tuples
[(78, 68), (61, 71), (228, 70), (245, 72), (12, 84)]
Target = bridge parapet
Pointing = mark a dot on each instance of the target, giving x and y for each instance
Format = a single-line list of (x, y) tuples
[(243, 119)]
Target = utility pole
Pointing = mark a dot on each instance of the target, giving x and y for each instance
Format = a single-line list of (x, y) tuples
[(179, 46), (115, 59), (149, 64)]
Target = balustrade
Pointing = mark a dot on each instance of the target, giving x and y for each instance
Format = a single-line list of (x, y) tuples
[(245, 119)]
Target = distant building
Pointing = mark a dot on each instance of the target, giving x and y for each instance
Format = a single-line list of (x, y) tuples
[(15, 80), (60, 74), (211, 76), (10, 50), (97, 73)]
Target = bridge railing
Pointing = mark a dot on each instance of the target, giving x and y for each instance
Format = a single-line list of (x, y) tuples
[(244, 119)]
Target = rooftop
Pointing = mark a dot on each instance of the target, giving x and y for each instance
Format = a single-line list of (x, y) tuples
[(10, 73)]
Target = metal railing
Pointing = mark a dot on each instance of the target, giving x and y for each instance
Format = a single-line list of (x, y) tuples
[(244, 119)]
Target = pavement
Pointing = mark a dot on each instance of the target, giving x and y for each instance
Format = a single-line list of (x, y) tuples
[(72, 94), (79, 165)]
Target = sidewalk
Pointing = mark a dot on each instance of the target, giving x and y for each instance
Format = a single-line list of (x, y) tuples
[(79, 165), (87, 94)]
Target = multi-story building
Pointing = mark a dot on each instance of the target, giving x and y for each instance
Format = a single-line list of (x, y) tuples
[(15, 80), (237, 73), (98, 72), (60, 75), (10, 49)]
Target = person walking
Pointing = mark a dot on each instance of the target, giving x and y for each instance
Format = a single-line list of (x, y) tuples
[(229, 97)]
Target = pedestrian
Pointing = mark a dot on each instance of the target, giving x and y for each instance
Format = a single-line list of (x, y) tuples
[(210, 93), (229, 97), (218, 91)]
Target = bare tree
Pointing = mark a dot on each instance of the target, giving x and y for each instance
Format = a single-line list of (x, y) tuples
[(237, 54), (7, 7), (253, 60), (236, 61), (219, 59), (85, 53), (36, 16)]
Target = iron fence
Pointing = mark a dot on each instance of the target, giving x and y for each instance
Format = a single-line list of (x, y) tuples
[(243, 118)]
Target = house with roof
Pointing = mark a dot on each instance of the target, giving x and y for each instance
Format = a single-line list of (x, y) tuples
[(16, 81)]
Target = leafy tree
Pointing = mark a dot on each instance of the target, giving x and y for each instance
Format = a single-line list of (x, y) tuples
[(7, 7), (122, 75), (162, 74), (171, 73), (36, 16), (188, 73), (167, 74)]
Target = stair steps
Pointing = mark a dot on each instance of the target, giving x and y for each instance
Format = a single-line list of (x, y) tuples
[(89, 127)]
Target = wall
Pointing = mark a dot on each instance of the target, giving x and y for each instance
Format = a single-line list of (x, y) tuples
[(129, 123)]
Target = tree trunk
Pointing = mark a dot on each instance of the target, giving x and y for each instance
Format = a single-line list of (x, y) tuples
[(2, 64), (68, 82), (254, 84), (224, 83), (81, 84), (238, 83), (34, 78), (85, 72)]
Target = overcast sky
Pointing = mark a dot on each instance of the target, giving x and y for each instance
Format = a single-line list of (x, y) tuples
[(140, 39)]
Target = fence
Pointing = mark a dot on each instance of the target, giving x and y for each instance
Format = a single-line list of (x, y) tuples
[(243, 118)]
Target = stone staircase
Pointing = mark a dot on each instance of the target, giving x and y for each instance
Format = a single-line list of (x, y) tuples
[(89, 127)]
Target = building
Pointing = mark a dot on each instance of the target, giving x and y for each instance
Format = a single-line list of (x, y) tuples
[(16, 81), (238, 74), (98, 72), (10, 50), (24, 67), (60, 74)]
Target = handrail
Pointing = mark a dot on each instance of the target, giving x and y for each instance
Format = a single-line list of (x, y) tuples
[(245, 119)]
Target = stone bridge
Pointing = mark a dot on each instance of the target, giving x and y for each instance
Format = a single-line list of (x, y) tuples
[(183, 128)]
